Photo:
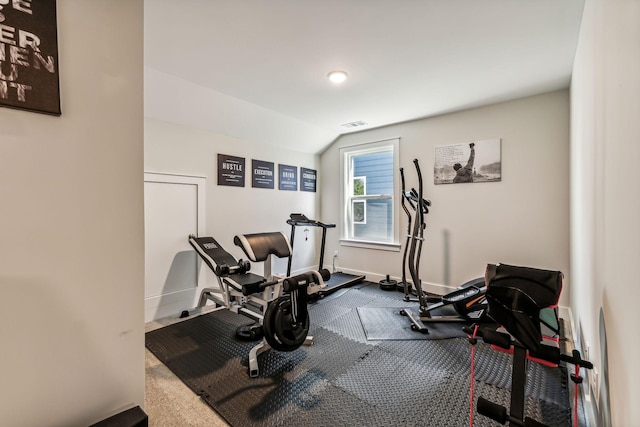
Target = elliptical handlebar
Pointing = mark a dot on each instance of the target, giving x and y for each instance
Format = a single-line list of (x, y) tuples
[(417, 238), (402, 189), (412, 196), (406, 246), (420, 200)]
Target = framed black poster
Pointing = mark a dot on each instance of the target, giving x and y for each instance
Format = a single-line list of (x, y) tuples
[(308, 178), (288, 177), (262, 174), (230, 170), (29, 56)]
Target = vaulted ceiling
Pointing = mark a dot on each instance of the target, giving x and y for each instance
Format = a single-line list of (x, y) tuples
[(257, 69)]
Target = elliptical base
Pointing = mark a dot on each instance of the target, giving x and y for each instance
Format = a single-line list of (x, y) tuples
[(416, 321)]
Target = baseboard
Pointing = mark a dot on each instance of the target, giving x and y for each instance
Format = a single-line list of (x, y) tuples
[(133, 417), (435, 288)]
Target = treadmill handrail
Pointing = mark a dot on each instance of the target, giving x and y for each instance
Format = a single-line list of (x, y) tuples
[(299, 219), (310, 222)]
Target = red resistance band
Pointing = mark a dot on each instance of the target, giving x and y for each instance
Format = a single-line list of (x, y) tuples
[(473, 340), (575, 377)]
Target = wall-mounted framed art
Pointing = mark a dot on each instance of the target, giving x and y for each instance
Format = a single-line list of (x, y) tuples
[(472, 162), (308, 179), (262, 174), (231, 170), (29, 77), (287, 177)]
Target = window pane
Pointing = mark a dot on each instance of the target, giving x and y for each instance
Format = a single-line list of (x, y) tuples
[(359, 185), (379, 224), (377, 168), (359, 214)]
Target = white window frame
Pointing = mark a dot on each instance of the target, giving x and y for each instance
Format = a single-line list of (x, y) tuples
[(346, 193)]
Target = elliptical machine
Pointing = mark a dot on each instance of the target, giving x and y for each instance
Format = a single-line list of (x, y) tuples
[(468, 300)]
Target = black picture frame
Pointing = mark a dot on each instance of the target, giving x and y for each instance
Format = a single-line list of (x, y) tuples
[(308, 179), (287, 177), (29, 77), (231, 170), (262, 174)]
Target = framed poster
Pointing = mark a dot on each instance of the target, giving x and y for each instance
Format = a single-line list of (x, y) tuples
[(478, 161), (262, 174), (288, 177), (29, 56), (230, 170), (308, 178)]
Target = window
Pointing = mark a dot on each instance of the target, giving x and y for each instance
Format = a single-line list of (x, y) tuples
[(369, 194)]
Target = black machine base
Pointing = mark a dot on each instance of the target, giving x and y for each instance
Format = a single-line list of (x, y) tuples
[(251, 332), (338, 279), (419, 321)]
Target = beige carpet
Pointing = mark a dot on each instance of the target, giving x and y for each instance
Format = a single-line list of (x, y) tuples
[(168, 402)]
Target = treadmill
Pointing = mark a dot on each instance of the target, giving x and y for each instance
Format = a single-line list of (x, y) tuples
[(338, 279)]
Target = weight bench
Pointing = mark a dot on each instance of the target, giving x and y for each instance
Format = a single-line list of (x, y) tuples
[(278, 305), (548, 330), (524, 302)]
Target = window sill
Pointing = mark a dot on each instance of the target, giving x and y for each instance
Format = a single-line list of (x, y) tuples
[(394, 247)]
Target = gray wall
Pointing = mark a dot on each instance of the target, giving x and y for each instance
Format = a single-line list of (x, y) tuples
[(605, 239), (71, 247), (522, 220), (71, 235), (186, 150)]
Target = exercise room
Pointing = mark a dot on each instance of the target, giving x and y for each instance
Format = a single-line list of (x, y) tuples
[(350, 213)]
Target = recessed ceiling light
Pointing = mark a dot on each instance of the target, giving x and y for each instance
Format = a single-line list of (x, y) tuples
[(337, 76)]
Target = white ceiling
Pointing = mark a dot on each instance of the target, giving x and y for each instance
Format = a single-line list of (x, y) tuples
[(256, 69)]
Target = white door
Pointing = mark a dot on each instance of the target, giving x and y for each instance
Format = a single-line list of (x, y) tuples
[(173, 209)]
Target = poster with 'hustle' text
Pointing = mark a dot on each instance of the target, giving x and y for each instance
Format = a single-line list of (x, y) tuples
[(231, 170)]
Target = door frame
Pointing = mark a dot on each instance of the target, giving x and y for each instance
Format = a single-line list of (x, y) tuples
[(200, 183)]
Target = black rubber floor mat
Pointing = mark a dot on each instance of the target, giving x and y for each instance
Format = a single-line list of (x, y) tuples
[(386, 323), (344, 379), (339, 279)]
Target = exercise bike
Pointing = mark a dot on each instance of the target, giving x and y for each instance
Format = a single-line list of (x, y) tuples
[(468, 300)]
